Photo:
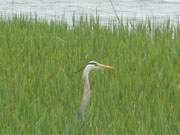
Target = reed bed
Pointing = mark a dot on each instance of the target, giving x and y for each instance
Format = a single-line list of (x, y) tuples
[(40, 90)]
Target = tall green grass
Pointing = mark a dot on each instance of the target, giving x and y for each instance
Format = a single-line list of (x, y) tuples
[(40, 93)]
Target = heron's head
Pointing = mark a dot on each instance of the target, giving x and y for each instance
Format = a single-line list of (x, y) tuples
[(93, 65)]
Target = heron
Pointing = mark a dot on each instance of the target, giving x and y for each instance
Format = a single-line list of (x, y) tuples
[(92, 65)]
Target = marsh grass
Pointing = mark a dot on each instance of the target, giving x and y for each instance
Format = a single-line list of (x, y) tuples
[(40, 93)]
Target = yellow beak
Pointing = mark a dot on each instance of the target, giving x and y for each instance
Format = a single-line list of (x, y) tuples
[(106, 66)]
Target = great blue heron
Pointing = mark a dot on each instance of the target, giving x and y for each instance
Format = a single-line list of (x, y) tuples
[(92, 65)]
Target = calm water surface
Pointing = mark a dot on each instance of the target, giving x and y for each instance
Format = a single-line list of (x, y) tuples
[(60, 9)]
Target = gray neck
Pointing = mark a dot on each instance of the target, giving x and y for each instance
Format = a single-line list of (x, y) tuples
[(86, 93)]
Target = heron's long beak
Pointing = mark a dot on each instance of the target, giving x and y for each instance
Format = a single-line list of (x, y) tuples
[(106, 66)]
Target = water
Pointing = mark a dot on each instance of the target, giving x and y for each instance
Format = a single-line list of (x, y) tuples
[(64, 9)]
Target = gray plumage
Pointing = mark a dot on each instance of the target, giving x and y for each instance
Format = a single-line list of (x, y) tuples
[(92, 65)]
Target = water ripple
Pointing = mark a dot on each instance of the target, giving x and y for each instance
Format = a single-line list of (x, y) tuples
[(128, 8)]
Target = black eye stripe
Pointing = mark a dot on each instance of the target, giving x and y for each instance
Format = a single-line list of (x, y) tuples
[(93, 63)]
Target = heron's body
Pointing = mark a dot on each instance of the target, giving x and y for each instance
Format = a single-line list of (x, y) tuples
[(86, 94)]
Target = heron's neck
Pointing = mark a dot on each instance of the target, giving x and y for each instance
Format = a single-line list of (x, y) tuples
[(86, 79), (86, 92)]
